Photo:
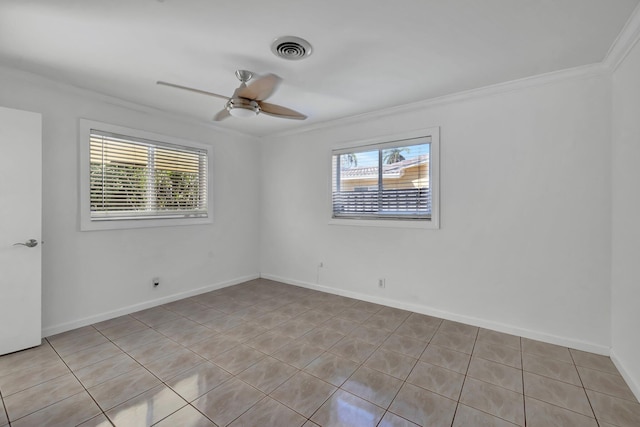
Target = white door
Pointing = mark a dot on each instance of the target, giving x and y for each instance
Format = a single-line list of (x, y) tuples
[(20, 221)]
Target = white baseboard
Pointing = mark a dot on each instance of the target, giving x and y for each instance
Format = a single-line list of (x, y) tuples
[(67, 326), (631, 382), (422, 309)]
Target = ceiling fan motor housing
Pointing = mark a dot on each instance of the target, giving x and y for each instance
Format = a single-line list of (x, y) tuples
[(241, 107)]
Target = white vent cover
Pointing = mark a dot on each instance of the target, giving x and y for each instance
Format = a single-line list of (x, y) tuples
[(290, 47)]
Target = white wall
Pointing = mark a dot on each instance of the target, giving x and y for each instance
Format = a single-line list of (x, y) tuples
[(626, 221), (89, 276), (524, 244)]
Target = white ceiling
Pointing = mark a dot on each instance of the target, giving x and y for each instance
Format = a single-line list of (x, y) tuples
[(368, 54)]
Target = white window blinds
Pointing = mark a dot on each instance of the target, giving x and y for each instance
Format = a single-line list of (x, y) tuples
[(383, 181), (135, 178)]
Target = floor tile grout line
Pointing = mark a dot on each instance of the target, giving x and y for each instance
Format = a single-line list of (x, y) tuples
[(464, 380), (584, 389), (81, 384)]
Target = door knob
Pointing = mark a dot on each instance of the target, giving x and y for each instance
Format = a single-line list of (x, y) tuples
[(31, 243)]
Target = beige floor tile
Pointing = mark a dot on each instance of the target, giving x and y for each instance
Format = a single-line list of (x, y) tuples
[(373, 336), (272, 319), (175, 363), (186, 417), (214, 346), (112, 322), (551, 368), (386, 322), (498, 353), (557, 393), (73, 332), (423, 407), (439, 380), (604, 382), (416, 331), (467, 416), (354, 315), (346, 410), (203, 314), (120, 389), (499, 338), (303, 393), (446, 358), (321, 337), (494, 400), (450, 327), (245, 331), (496, 374), (91, 355), (298, 354), (391, 363), (352, 348), (224, 323), (612, 410), (238, 358), (269, 342), (138, 339), (269, 412), (392, 420), (154, 350), (294, 328), (105, 370), (593, 361), (543, 349), (541, 414), (291, 309), (405, 345), (267, 374), (129, 327), (37, 397), (99, 421), (424, 319), (197, 381), (313, 316), (457, 342), (338, 324), (31, 376), (147, 408), (373, 386), (155, 316), (227, 402), (332, 368), (74, 344), (3, 415), (68, 412)]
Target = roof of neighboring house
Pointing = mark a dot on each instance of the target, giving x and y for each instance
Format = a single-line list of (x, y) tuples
[(393, 170)]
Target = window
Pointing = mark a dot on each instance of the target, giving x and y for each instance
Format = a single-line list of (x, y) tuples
[(394, 179), (136, 179)]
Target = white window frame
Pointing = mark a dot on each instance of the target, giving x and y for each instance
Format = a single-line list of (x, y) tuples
[(87, 224), (389, 141)]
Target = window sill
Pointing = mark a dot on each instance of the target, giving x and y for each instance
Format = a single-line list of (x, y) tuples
[(141, 223), (388, 223)]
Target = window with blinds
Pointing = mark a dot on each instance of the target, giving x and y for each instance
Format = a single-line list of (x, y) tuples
[(134, 178), (390, 180)]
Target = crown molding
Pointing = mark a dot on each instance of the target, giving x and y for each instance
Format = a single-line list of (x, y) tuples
[(584, 71), (626, 40), (36, 79)]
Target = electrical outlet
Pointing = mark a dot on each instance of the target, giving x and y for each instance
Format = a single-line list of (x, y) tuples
[(382, 283), (155, 281)]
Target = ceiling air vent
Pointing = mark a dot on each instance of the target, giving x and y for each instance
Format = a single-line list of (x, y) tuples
[(290, 47)]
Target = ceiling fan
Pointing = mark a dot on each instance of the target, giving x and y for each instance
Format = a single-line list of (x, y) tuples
[(248, 100)]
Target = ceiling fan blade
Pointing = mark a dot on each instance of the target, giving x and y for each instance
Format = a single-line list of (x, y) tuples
[(261, 88), (279, 111), (203, 92), (222, 114)]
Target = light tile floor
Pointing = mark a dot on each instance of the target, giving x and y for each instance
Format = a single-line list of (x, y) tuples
[(268, 354)]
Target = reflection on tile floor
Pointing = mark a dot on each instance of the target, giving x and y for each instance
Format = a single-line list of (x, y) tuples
[(263, 353)]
